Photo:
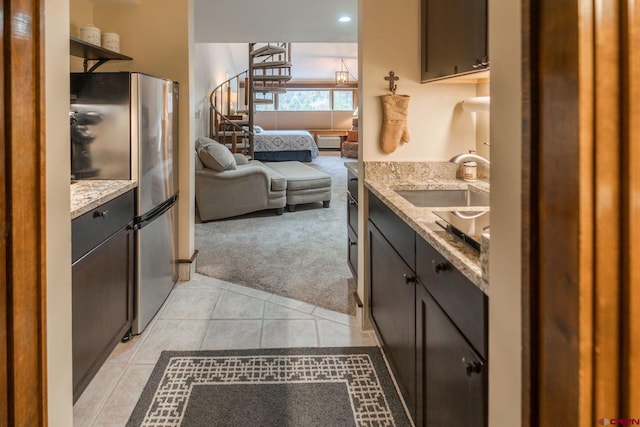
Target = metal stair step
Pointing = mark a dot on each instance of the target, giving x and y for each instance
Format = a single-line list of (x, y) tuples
[(272, 64), (267, 89), (262, 101), (268, 51), (272, 78)]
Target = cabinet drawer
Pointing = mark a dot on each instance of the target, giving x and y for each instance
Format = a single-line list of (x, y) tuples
[(395, 230), (352, 214), (352, 184), (464, 303), (92, 228)]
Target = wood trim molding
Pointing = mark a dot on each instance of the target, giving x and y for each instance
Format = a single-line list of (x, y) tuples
[(605, 351), (528, 208), (4, 228), (631, 196), (581, 203), (23, 198), (190, 260)]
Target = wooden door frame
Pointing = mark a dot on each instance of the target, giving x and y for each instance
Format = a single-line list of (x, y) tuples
[(23, 385), (581, 204)]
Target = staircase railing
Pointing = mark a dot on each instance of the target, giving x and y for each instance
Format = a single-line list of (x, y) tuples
[(225, 122), (269, 70)]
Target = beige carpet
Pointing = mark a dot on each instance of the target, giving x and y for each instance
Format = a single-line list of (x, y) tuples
[(300, 255)]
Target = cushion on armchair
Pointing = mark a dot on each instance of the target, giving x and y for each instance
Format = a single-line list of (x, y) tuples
[(241, 159), (215, 155)]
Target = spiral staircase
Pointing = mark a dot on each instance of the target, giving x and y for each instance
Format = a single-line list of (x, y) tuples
[(232, 103)]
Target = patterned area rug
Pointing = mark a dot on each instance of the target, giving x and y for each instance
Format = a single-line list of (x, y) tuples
[(278, 387)]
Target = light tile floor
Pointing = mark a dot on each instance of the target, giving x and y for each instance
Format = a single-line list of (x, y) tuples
[(209, 314)]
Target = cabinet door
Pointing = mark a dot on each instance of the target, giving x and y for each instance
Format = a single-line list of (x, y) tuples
[(451, 377), (392, 302), (352, 213), (454, 37), (352, 252), (102, 298)]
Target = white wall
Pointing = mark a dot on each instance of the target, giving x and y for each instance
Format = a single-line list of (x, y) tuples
[(505, 313), (483, 124), (58, 169), (390, 40), (213, 64)]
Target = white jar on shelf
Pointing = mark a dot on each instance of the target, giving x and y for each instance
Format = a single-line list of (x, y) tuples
[(90, 34), (111, 41)]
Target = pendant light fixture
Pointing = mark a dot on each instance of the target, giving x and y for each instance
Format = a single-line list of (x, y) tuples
[(342, 76)]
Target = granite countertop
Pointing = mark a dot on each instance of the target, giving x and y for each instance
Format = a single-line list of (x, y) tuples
[(352, 166), (89, 194), (382, 179)]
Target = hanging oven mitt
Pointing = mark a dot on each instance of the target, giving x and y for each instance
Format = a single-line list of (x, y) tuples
[(394, 121)]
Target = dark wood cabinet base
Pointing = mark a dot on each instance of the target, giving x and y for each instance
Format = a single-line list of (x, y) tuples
[(102, 283), (431, 322)]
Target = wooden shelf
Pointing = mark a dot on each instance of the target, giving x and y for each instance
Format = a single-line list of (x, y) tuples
[(91, 52)]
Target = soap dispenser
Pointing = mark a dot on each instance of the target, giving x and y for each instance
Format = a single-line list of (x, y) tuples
[(470, 170)]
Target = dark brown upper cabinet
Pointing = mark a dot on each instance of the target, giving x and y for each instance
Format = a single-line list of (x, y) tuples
[(454, 38)]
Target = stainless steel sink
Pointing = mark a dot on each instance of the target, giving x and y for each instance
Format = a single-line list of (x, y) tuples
[(444, 198)]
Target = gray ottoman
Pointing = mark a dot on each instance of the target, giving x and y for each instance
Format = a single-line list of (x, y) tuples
[(304, 183)]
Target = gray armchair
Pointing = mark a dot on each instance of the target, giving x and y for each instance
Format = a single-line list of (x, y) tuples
[(249, 187)]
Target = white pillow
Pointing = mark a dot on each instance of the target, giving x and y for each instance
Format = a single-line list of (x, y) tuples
[(257, 129), (241, 159), (215, 155)]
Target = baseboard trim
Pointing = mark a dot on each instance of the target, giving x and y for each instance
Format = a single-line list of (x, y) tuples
[(187, 267), (358, 300), (190, 260)]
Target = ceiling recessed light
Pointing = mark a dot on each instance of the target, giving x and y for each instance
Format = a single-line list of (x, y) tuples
[(344, 19)]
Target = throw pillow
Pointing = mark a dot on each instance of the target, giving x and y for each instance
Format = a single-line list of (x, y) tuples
[(215, 155), (257, 129), (241, 159)]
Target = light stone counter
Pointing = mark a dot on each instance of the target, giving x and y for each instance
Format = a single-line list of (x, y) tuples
[(382, 178), (352, 166), (89, 194)]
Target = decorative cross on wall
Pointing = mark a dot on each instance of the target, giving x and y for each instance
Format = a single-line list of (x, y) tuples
[(392, 81)]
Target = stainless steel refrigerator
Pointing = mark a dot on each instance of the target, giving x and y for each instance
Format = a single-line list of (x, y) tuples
[(125, 126)]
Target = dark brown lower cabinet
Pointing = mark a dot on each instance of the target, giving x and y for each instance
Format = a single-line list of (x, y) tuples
[(102, 288), (451, 377), (431, 321), (102, 305), (392, 301)]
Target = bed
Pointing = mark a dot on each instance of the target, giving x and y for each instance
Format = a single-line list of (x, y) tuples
[(284, 145)]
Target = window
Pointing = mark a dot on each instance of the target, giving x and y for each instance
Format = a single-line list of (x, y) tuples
[(343, 100), (300, 99), (304, 100)]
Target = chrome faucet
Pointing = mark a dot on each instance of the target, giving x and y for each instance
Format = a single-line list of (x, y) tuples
[(466, 157)]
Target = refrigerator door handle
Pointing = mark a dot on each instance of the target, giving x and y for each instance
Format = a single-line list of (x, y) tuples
[(142, 221)]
